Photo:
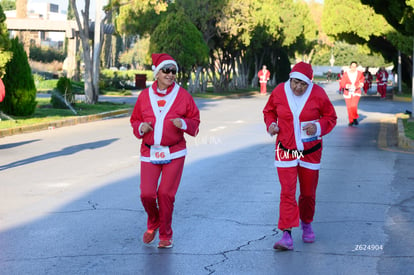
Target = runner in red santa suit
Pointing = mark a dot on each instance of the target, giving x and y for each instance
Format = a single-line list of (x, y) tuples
[(368, 80), (382, 78), (299, 112), (264, 76), (352, 82), (162, 114)]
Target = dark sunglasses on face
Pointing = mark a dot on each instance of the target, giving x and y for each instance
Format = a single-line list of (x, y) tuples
[(169, 70)]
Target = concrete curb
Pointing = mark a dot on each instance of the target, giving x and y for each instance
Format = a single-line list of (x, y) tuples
[(64, 122), (403, 141), (401, 99)]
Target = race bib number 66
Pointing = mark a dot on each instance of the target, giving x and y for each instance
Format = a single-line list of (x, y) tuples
[(160, 154)]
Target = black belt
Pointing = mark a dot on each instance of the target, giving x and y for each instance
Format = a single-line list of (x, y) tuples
[(299, 152), (149, 146)]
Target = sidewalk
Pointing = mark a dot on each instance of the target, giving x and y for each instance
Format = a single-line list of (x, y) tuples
[(62, 123)]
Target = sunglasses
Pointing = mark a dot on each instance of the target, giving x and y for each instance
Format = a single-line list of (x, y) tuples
[(169, 70)]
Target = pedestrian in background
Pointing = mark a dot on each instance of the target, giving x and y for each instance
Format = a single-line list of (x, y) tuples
[(339, 77), (329, 75), (368, 80), (299, 112), (382, 79), (352, 82), (264, 76), (162, 114)]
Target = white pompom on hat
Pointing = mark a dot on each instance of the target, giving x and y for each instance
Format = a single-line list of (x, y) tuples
[(302, 71), (160, 60)]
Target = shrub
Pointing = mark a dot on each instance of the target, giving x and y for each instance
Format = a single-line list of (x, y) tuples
[(63, 94), (46, 54), (20, 99)]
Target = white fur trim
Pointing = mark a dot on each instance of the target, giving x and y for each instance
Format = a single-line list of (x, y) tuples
[(309, 165), (296, 105), (290, 163), (300, 76)]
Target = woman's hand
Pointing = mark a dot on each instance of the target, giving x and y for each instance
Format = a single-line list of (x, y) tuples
[(177, 123), (146, 127), (310, 128), (273, 129)]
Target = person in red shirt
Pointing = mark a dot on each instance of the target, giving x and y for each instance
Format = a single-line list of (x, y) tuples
[(162, 114), (339, 77), (2, 90), (299, 112), (352, 82), (264, 76), (382, 79)]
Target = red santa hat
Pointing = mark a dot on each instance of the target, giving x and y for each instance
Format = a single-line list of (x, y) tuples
[(160, 60), (302, 71)]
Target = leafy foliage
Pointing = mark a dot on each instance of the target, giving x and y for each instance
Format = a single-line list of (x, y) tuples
[(137, 55), (177, 36), (8, 5), (344, 52), (139, 16), (20, 97), (5, 54), (398, 13), (46, 54)]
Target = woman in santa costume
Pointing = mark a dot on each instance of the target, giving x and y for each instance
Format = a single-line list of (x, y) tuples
[(299, 112), (162, 114), (352, 82)]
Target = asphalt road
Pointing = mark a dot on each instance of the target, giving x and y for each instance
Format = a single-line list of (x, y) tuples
[(70, 199)]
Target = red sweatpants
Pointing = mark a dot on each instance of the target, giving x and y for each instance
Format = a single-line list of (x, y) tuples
[(366, 87), (289, 212), (382, 90), (158, 201), (263, 87), (352, 107)]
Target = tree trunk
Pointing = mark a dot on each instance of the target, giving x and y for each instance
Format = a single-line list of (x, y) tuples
[(92, 64), (197, 87)]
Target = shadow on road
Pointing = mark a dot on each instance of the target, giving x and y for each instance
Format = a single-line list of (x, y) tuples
[(63, 152), (16, 144)]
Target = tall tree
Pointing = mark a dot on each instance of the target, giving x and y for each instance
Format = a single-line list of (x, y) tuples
[(184, 42), (5, 53)]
